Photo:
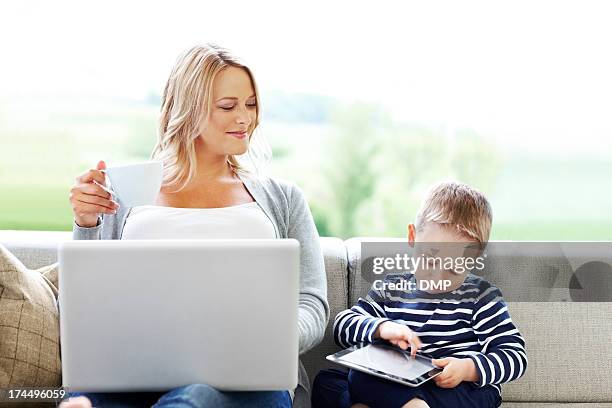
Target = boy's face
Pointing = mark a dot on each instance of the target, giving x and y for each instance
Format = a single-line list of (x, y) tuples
[(444, 249)]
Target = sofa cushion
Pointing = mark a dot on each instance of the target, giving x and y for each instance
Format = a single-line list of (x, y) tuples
[(29, 326), (568, 346)]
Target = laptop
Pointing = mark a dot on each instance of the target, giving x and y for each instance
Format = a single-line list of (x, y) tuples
[(152, 315)]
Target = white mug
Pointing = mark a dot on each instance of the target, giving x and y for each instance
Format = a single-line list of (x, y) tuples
[(136, 184)]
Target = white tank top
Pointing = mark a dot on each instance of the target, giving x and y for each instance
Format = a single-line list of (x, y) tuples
[(240, 221)]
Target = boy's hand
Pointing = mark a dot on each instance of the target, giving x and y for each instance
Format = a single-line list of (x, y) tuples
[(455, 371), (399, 335)]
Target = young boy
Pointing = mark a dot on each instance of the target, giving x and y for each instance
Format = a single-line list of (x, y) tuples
[(466, 329)]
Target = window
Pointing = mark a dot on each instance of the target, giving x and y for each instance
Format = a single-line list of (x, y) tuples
[(364, 108)]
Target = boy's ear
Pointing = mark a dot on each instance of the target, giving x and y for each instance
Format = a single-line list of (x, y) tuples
[(411, 235)]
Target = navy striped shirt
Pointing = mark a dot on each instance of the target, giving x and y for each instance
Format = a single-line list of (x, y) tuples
[(471, 321)]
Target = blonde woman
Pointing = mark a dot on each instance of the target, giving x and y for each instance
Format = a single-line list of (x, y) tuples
[(210, 109)]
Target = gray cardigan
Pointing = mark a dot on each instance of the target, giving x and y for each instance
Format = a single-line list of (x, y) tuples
[(286, 207)]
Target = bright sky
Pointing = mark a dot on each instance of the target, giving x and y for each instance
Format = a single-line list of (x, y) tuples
[(530, 73)]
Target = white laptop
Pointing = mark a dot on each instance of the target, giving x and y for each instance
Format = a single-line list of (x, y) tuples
[(151, 315)]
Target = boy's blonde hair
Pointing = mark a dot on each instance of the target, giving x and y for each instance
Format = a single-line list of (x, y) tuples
[(459, 206)]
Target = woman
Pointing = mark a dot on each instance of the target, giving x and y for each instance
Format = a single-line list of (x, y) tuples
[(210, 109)]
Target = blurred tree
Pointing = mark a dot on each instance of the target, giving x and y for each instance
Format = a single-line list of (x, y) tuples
[(322, 220), (475, 160), (141, 136), (296, 107), (280, 152), (348, 168), (411, 157), (377, 172)]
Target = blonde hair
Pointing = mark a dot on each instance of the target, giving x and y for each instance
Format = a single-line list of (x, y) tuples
[(186, 102), (459, 206)]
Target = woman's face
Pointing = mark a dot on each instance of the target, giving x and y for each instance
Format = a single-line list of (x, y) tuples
[(233, 113)]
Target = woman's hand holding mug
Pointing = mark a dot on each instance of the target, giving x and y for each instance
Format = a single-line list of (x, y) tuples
[(89, 197)]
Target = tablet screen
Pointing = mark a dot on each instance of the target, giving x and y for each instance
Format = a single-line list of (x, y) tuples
[(388, 361)]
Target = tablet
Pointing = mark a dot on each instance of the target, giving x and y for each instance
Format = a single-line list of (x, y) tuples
[(388, 362)]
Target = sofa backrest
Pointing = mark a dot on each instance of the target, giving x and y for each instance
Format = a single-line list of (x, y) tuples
[(34, 249)]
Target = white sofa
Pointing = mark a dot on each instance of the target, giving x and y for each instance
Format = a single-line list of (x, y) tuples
[(569, 344)]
